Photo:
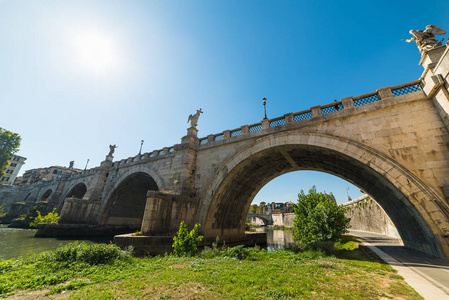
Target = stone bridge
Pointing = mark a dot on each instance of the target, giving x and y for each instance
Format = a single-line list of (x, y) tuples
[(392, 143), (266, 219)]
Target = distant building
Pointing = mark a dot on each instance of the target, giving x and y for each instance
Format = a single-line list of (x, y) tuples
[(15, 163), (33, 176)]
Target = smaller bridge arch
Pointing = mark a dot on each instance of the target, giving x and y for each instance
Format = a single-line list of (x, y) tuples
[(77, 191), (266, 219), (44, 197), (126, 203)]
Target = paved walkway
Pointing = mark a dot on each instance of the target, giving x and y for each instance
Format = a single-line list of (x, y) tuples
[(428, 275)]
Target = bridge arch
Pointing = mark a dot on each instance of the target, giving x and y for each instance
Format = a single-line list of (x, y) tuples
[(125, 204), (44, 197), (77, 191), (227, 198)]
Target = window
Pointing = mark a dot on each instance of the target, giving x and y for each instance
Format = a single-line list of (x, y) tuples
[(9, 171), (59, 172), (13, 165), (55, 171), (16, 158)]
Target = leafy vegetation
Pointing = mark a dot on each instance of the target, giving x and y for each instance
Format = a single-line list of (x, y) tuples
[(9, 144), (2, 211), (224, 273), (318, 218), (186, 243), (51, 217)]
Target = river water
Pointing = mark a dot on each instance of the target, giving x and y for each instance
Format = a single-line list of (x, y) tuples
[(16, 242)]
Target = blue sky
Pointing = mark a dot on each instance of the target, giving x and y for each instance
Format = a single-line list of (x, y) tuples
[(156, 62)]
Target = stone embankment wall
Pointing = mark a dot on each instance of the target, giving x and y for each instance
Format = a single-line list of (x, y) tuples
[(283, 219), (367, 215)]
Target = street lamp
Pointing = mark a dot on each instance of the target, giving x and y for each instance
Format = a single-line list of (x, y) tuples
[(85, 168), (141, 144), (265, 107)]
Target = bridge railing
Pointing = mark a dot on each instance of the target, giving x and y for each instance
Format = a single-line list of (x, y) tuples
[(399, 90)]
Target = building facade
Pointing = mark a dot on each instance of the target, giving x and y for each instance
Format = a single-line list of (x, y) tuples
[(15, 164)]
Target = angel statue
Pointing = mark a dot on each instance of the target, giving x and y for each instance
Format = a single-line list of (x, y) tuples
[(425, 39), (193, 119), (111, 149)]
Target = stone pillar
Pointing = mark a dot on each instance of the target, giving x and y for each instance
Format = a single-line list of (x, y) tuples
[(164, 212), (288, 118), (385, 92), (245, 129), (226, 134), (347, 102), (265, 124), (316, 110)]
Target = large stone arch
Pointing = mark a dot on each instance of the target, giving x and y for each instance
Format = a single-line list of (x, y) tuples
[(125, 204), (404, 197)]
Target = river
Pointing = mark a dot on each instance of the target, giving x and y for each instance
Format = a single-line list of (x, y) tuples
[(16, 242)]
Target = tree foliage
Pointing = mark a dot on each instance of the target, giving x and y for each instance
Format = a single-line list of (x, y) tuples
[(9, 144), (318, 218), (186, 243)]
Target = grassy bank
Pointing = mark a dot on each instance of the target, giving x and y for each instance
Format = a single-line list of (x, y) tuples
[(82, 272)]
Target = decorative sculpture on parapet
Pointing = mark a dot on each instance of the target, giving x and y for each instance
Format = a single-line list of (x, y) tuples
[(111, 151), (425, 39), (193, 119), (71, 164)]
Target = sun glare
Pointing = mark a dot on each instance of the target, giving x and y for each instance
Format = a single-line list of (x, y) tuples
[(96, 51)]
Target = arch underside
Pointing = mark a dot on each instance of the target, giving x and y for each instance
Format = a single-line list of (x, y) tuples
[(231, 200), (78, 191), (127, 203)]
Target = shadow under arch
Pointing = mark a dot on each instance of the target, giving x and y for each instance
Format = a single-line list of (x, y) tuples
[(226, 200), (126, 205), (78, 191), (45, 195)]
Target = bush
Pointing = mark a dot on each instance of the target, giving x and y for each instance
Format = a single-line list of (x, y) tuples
[(49, 218), (318, 218), (94, 254), (185, 243)]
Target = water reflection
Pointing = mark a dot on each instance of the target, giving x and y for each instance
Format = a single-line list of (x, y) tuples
[(15, 242), (276, 239)]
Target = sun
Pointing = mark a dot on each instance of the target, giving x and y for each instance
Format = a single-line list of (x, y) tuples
[(96, 51)]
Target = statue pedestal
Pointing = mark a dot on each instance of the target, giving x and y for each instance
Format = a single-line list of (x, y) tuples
[(431, 57), (109, 157), (191, 132)]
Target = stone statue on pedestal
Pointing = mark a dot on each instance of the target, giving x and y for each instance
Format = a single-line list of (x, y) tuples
[(425, 39), (193, 119), (111, 149)]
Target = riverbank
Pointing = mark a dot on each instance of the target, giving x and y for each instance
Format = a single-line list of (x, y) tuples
[(347, 271)]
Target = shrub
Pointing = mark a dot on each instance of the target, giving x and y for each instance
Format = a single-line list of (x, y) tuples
[(318, 218), (93, 254), (51, 217), (185, 243)]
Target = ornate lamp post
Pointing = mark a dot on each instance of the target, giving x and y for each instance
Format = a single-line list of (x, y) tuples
[(265, 107), (85, 168), (141, 144)]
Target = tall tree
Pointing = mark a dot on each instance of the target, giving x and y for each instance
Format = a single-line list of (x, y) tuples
[(9, 144), (318, 218)]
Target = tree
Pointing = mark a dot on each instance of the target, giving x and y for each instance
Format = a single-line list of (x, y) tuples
[(9, 144), (253, 209), (318, 218)]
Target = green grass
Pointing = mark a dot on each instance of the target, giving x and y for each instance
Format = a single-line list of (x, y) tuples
[(231, 273)]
